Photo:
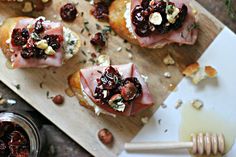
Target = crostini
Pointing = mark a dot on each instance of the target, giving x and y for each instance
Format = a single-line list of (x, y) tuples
[(37, 43), (154, 23), (112, 90)]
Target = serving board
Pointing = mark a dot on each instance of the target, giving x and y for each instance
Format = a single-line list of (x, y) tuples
[(82, 125)]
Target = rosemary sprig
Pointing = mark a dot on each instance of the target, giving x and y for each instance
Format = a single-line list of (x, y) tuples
[(230, 9)]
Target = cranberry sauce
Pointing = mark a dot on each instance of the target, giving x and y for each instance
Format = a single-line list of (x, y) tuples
[(141, 17), (14, 141), (26, 39), (112, 88)]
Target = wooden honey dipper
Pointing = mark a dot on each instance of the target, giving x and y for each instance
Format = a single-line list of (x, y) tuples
[(201, 144)]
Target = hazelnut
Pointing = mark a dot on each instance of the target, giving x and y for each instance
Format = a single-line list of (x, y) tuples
[(105, 136), (58, 99), (128, 91)]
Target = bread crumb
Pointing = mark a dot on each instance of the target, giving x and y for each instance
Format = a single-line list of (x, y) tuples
[(144, 120), (191, 69), (197, 73), (178, 104), (130, 55), (167, 74), (197, 104), (28, 7)]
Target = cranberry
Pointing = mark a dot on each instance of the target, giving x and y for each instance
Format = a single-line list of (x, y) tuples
[(141, 13), (27, 53), (53, 41), (68, 12), (100, 11), (17, 38), (182, 15), (39, 53), (128, 91), (98, 40), (25, 33), (111, 78), (136, 83), (38, 28), (105, 136), (138, 16), (14, 142), (2, 146), (58, 99)]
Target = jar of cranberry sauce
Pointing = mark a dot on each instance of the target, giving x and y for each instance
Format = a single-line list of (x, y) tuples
[(19, 135)]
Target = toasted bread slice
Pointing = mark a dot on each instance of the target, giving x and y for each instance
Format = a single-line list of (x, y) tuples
[(74, 84), (117, 20), (6, 30)]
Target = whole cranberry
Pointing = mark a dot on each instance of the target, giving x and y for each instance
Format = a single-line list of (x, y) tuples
[(2, 146), (98, 40), (17, 39), (128, 91), (68, 12), (105, 136), (38, 28), (58, 99), (100, 11)]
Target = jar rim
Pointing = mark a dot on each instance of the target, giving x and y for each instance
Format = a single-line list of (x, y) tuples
[(28, 126)]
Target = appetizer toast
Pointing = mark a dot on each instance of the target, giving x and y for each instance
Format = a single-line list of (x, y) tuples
[(24, 48), (154, 24), (113, 90)]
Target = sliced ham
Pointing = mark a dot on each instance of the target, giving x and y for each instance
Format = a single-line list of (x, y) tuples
[(88, 78), (55, 28), (181, 36)]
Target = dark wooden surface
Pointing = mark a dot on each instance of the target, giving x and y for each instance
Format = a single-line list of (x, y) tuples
[(60, 145)]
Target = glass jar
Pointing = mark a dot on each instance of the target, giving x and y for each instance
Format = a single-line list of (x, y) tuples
[(30, 128)]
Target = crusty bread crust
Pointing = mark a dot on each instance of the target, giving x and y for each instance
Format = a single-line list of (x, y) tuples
[(117, 21), (74, 84), (6, 30)]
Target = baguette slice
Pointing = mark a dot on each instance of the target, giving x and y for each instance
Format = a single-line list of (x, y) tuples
[(7, 28)]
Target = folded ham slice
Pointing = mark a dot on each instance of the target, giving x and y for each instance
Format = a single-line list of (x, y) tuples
[(182, 36), (88, 78), (54, 28)]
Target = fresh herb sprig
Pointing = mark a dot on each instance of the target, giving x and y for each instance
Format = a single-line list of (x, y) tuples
[(230, 9)]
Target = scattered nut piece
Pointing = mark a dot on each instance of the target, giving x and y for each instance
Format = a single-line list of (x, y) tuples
[(58, 99), (105, 136), (191, 69), (178, 104), (197, 104), (104, 60), (130, 55), (167, 74), (144, 120), (168, 60)]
